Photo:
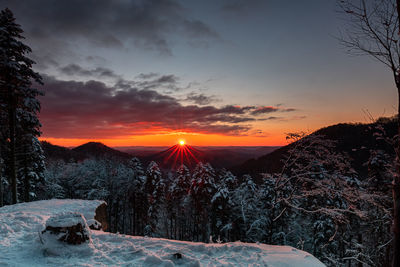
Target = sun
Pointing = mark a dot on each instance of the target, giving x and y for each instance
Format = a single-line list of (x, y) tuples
[(182, 142)]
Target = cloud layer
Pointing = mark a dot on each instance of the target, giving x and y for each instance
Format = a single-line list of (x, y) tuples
[(109, 24), (92, 109)]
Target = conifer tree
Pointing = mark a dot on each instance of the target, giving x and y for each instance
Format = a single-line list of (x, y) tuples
[(18, 98), (202, 190), (222, 204), (138, 197), (156, 188), (177, 202)]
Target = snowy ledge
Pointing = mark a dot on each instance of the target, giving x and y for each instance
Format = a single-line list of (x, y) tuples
[(20, 245)]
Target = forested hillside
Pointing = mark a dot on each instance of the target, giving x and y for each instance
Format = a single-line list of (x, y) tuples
[(355, 140)]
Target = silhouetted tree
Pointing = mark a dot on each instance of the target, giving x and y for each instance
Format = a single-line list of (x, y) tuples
[(374, 31)]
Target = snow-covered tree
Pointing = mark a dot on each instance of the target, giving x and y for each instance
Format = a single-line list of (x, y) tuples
[(155, 188), (177, 203), (318, 186), (222, 206), (31, 169), (202, 190), (246, 200), (138, 197), (18, 97)]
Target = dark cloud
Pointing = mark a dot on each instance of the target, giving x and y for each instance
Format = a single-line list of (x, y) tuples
[(264, 109), (44, 61), (271, 118), (146, 76), (76, 70), (201, 99), (169, 82), (144, 23), (92, 109), (270, 109), (149, 81), (167, 79)]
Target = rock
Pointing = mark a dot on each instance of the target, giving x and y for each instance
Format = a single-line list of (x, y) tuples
[(68, 227), (94, 224), (101, 216), (177, 255)]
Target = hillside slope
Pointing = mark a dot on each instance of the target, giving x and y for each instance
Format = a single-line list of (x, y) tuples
[(354, 140), (99, 150), (20, 246)]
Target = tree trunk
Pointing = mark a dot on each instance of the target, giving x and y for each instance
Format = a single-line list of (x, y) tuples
[(116, 216), (12, 121), (396, 179), (396, 213), (1, 180), (27, 187), (396, 190)]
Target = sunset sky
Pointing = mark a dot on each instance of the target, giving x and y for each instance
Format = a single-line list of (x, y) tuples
[(209, 72)]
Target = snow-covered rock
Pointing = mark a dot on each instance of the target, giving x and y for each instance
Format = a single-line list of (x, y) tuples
[(20, 244), (63, 231), (68, 227)]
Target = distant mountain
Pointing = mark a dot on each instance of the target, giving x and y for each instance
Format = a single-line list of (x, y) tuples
[(218, 157), (54, 152), (227, 157), (88, 150), (141, 151), (355, 140), (175, 156), (99, 150)]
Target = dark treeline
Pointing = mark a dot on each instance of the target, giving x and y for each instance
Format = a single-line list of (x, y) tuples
[(317, 202)]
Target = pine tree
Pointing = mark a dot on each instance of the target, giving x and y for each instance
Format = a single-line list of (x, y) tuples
[(202, 190), (17, 96), (245, 199), (155, 188), (31, 168), (138, 197), (177, 203), (222, 206)]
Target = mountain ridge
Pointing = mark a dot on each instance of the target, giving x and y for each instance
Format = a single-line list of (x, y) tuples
[(353, 139)]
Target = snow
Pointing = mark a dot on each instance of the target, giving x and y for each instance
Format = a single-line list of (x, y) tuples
[(66, 220), (20, 244)]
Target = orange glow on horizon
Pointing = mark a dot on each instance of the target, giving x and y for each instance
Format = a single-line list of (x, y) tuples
[(273, 135), (182, 142), (170, 140)]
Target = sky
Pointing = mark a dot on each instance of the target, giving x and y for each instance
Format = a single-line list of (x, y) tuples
[(234, 73)]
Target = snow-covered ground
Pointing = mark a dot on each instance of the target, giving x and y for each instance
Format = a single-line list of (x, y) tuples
[(20, 245)]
